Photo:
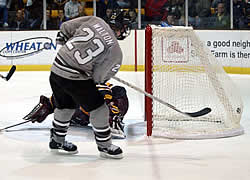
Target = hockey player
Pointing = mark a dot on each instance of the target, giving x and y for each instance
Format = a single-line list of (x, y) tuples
[(90, 55), (118, 107)]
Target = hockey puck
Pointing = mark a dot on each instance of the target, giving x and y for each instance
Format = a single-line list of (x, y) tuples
[(238, 110)]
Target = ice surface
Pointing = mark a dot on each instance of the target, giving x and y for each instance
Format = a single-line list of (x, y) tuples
[(24, 153)]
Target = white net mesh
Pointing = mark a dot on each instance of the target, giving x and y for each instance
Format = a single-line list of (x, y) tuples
[(186, 75)]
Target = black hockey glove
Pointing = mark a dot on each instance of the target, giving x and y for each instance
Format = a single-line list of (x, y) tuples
[(106, 92), (40, 111), (61, 39)]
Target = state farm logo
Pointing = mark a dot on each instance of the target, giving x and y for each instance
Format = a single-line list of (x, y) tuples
[(175, 48), (26, 47)]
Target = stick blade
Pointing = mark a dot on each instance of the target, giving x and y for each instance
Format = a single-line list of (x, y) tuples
[(199, 113), (11, 72)]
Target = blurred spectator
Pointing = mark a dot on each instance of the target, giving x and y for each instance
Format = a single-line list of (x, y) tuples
[(81, 11), (222, 20), (111, 5), (132, 15), (204, 8), (204, 12), (169, 21), (193, 17), (71, 9), (153, 9), (101, 8), (239, 13), (215, 3), (60, 19), (247, 13), (4, 6), (172, 8), (51, 22), (226, 4), (34, 15), (58, 4), (178, 8), (123, 3), (19, 22), (108, 14), (82, 2)]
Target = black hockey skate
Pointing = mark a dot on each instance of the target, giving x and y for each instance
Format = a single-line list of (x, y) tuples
[(63, 148), (113, 152)]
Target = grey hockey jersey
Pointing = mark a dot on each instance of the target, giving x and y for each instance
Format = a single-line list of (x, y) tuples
[(91, 52)]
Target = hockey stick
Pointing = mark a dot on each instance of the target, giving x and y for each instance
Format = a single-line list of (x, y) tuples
[(14, 125), (10, 73), (202, 112)]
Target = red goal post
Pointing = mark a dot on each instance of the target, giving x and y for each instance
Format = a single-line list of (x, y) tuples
[(180, 69)]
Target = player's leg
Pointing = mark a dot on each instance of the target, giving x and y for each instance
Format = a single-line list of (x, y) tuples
[(103, 133), (65, 108), (92, 101)]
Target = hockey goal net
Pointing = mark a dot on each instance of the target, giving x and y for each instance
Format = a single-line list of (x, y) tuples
[(180, 70)]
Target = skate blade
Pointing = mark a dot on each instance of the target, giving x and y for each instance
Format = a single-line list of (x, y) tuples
[(118, 136), (62, 152), (108, 156)]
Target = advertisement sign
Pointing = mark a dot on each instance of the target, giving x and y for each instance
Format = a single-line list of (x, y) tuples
[(27, 47), (230, 48)]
